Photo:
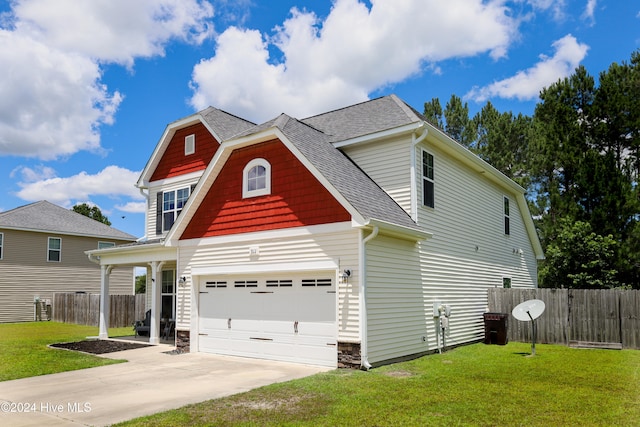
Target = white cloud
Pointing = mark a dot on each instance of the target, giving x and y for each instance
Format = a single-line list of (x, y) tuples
[(112, 181), (589, 11), (557, 7), (527, 84), (133, 207), (37, 173), (113, 30), (341, 59), (53, 101)]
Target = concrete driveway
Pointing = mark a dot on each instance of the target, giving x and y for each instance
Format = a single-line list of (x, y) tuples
[(151, 381)]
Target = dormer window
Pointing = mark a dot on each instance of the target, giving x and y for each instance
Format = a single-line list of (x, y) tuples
[(189, 144), (256, 178)]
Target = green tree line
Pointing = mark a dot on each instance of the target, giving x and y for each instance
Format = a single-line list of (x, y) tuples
[(578, 157)]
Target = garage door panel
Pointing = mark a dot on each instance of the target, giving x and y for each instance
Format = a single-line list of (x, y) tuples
[(323, 329), (284, 317), (207, 324)]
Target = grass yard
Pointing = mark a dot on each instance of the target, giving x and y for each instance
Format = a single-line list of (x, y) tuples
[(24, 351), (476, 385)]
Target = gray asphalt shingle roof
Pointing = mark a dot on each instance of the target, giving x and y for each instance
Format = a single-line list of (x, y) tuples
[(368, 117), (314, 137), (44, 216), (226, 125), (371, 201)]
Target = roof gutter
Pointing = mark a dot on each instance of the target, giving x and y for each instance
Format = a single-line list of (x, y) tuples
[(364, 347)]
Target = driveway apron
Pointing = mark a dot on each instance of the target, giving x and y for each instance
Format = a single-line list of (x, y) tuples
[(153, 380)]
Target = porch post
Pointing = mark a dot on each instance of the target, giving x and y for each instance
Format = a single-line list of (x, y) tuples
[(156, 303), (105, 270)]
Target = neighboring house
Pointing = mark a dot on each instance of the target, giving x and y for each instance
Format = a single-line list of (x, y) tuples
[(326, 240), (42, 251)]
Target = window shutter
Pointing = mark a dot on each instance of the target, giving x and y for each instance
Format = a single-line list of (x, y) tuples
[(159, 213)]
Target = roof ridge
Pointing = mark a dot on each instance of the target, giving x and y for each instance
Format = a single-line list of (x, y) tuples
[(406, 108), (344, 108)]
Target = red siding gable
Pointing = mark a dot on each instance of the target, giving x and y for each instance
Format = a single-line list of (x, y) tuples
[(297, 198), (175, 163)]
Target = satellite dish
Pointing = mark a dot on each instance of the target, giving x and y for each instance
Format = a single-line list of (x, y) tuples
[(529, 311)]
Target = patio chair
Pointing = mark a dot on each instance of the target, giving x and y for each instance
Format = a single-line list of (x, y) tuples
[(142, 327), (169, 329)]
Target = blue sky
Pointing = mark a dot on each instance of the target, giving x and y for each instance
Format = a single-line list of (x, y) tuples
[(88, 87)]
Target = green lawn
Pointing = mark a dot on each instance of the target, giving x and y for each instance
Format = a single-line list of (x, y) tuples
[(24, 352), (476, 385)]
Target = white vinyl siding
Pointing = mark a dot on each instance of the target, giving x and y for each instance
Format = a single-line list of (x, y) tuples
[(339, 247), (397, 318), (469, 251), (388, 163)]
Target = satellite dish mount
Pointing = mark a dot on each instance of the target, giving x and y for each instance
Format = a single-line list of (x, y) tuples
[(529, 311)]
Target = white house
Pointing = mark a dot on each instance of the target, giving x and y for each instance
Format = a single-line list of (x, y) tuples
[(329, 240)]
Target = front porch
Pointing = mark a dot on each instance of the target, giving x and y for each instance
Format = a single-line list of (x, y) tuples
[(158, 261)]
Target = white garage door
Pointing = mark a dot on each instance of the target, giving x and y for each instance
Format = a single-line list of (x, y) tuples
[(278, 317)]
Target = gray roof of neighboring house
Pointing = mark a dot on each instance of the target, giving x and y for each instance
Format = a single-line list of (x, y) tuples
[(314, 137), (44, 216)]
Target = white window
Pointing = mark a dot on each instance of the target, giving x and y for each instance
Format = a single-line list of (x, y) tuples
[(256, 178), (171, 205), (168, 295), (507, 225), (103, 245), (1, 245), (428, 184), (189, 144), (54, 252)]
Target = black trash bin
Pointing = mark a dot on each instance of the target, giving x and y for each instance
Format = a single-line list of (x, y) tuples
[(495, 328)]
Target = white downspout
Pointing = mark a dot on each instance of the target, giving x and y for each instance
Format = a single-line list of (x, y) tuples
[(364, 348), (414, 175)]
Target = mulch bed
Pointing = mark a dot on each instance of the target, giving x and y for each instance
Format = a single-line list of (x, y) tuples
[(99, 346)]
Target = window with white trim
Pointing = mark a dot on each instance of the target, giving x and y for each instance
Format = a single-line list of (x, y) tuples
[(428, 183), (507, 225), (170, 204), (256, 178), (1, 245), (189, 144), (54, 249), (168, 295), (103, 245)]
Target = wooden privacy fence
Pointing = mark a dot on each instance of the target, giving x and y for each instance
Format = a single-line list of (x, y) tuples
[(584, 317), (84, 309)]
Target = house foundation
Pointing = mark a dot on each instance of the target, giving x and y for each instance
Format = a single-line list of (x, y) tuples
[(183, 341), (349, 355)]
